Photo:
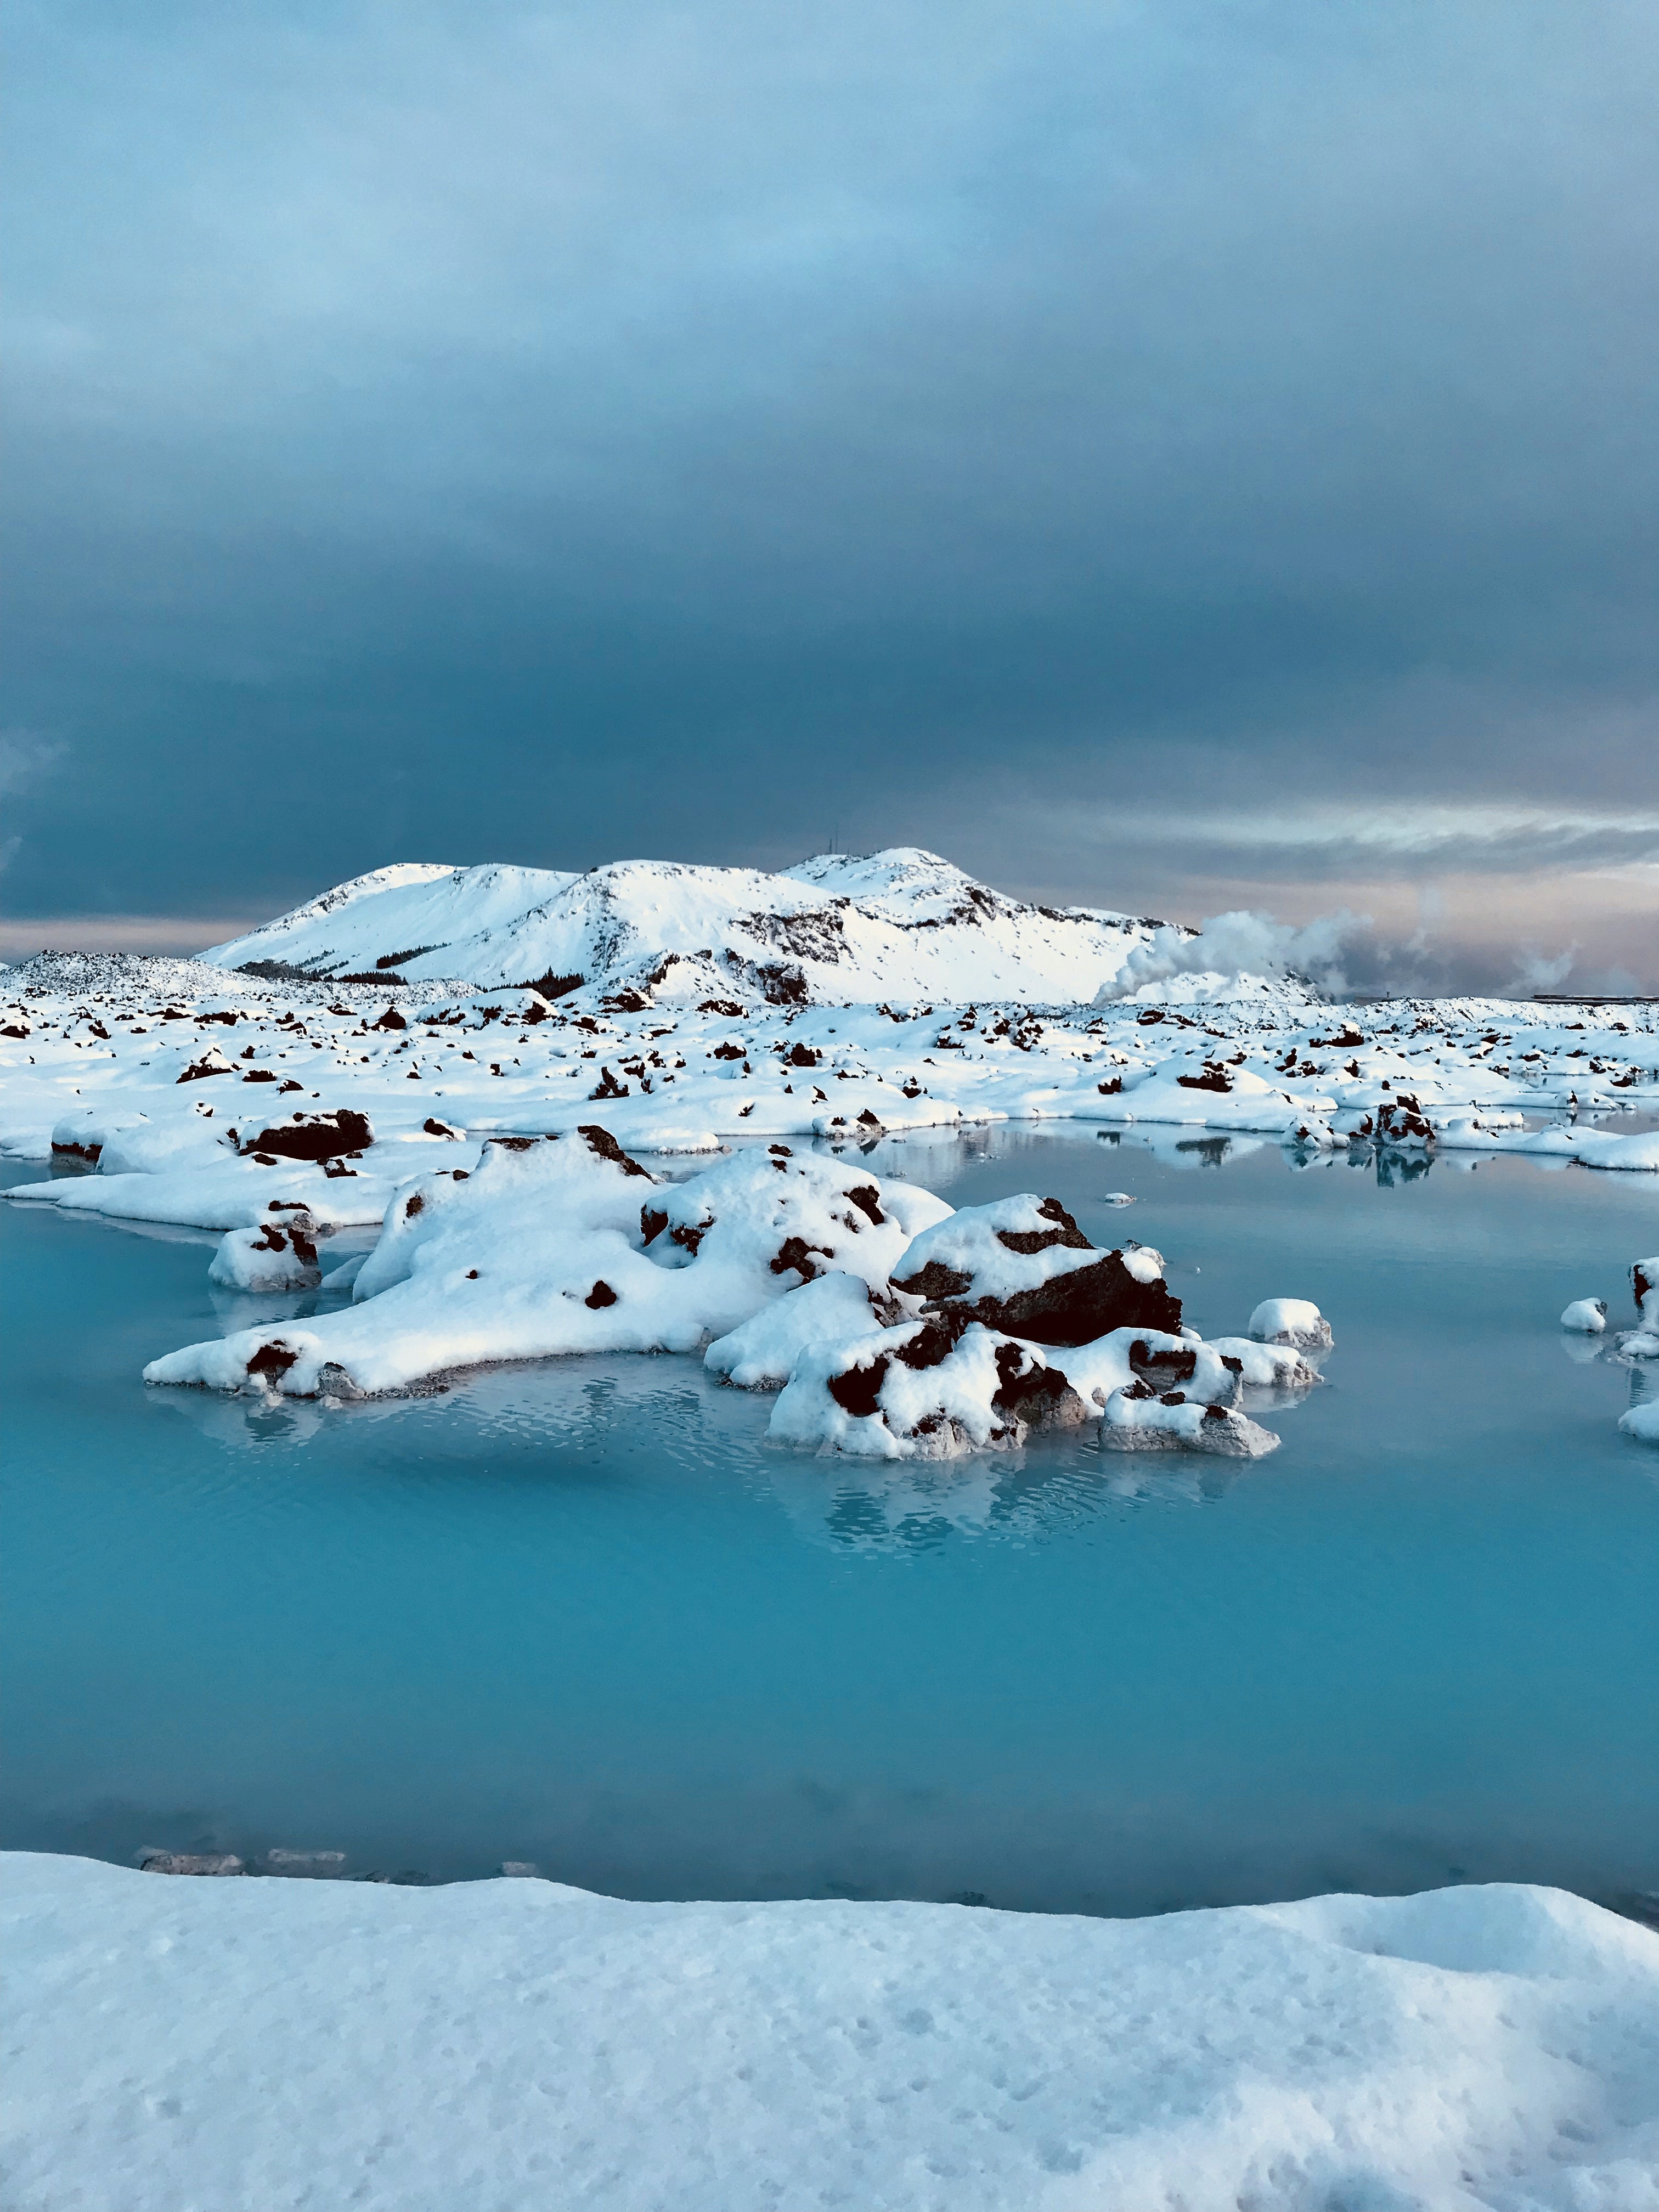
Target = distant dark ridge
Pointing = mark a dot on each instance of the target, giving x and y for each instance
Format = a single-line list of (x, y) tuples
[(1590, 999)]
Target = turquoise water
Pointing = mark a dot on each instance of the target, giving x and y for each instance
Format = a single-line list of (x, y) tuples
[(583, 1614)]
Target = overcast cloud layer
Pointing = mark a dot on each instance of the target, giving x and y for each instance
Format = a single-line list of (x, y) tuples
[(1183, 457)]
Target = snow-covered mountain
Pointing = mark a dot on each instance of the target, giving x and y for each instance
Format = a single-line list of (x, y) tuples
[(902, 924)]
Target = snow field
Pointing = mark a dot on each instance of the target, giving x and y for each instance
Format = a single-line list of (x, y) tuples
[(177, 2044)]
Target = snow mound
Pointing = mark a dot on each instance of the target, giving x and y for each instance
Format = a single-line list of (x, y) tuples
[(1586, 1315), (761, 1354), (509, 2043), (1295, 1322), (280, 1254), (558, 1245)]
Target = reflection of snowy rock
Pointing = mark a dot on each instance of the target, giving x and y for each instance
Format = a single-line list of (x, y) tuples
[(1291, 1321), (1583, 1350), (1140, 1419), (893, 1505), (761, 1354), (1022, 1266), (1588, 1315), (927, 1390), (280, 1254)]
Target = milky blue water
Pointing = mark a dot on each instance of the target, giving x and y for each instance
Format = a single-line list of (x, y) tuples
[(583, 1614)]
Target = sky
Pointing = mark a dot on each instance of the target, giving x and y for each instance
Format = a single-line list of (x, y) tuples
[(1181, 457)]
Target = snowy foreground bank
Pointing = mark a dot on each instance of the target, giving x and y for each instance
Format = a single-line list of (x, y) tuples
[(174, 2045)]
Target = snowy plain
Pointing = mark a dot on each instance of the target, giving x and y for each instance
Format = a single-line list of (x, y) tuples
[(291, 2044)]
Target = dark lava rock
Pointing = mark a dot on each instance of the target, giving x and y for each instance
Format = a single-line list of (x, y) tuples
[(272, 1358), (1071, 1307), (314, 1136), (1062, 1229), (1077, 1307), (1040, 1397), (1214, 1078), (795, 1252), (604, 1147)]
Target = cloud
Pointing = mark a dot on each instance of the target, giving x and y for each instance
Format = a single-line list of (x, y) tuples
[(1411, 839), (181, 934), (561, 434), (24, 755)]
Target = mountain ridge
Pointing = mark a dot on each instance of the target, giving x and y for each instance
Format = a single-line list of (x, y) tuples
[(833, 928)]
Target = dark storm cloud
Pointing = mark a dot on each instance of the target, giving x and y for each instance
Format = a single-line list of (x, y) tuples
[(1045, 432)]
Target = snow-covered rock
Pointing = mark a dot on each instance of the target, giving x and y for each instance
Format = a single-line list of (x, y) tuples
[(340, 1133), (1295, 1322), (1642, 1342), (1267, 1366), (761, 1354), (1586, 1315), (280, 1254), (925, 1390), (1143, 1419), (84, 1134), (1642, 1422), (1022, 1266), (1163, 1359), (564, 1245), (1402, 1124)]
